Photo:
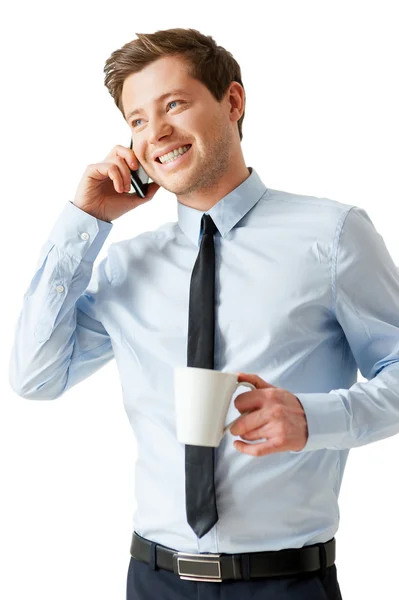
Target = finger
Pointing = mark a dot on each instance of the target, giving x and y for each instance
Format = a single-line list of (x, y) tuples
[(126, 153), (251, 422), (125, 172), (257, 381), (260, 449), (249, 401), (255, 434), (115, 175)]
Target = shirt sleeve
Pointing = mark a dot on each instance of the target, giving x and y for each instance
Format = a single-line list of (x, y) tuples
[(365, 290), (59, 340)]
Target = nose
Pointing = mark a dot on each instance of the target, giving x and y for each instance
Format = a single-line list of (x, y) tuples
[(158, 128)]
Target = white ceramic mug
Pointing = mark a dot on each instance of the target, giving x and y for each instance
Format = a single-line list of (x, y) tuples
[(202, 400)]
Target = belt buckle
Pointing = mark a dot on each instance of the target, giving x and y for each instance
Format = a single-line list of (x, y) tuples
[(197, 567)]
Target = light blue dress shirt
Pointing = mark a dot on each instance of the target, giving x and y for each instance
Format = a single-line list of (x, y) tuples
[(306, 293)]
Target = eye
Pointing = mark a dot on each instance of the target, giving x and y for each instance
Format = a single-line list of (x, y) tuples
[(173, 101), (135, 121)]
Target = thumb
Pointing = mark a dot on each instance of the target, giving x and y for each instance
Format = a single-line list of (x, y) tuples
[(152, 190)]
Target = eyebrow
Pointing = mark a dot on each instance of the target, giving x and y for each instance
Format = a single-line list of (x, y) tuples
[(159, 99)]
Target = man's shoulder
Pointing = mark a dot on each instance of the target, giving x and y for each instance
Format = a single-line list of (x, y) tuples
[(310, 200), (325, 215)]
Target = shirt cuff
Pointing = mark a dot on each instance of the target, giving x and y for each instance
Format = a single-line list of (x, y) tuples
[(78, 233), (327, 422)]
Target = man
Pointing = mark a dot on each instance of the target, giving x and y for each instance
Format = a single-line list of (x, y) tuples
[(305, 293)]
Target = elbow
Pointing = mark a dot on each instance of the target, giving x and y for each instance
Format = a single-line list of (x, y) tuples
[(35, 382), (41, 392)]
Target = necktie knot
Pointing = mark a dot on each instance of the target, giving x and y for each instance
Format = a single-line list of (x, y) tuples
[(207, 224)]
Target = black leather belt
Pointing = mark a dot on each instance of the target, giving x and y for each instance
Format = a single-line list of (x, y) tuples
[(218, 567)]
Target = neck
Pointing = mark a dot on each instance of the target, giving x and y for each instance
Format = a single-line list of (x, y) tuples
[(207, 197)]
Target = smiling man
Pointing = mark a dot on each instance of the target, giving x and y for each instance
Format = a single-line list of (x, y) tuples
[(292, 293), (189, 116)]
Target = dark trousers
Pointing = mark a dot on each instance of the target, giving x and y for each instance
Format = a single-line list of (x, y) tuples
[(144, 583)]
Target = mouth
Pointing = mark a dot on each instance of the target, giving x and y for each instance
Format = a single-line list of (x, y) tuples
[(175, 161)]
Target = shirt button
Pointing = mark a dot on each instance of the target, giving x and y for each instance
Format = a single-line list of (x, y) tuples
[(60, 288), (84, 236)]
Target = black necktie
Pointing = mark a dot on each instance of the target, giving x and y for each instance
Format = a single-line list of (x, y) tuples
[(200, 486)]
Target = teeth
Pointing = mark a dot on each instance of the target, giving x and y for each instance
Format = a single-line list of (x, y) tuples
[(172, 155)]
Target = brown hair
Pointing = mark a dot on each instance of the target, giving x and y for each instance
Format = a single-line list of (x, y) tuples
[(211, 64)]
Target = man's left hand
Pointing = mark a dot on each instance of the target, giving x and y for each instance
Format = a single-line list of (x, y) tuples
[(276, 415)]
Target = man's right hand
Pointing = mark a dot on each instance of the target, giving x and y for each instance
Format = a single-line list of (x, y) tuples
[(103, 191)]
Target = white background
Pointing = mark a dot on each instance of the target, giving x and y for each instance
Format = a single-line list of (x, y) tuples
[(321, 119)]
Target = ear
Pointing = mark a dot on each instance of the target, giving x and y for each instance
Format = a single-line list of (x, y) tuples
[(236, 97)]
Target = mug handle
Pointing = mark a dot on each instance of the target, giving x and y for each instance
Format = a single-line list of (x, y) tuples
[(251, 386)]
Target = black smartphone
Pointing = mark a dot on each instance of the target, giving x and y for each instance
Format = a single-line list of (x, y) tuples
[(139, 178)]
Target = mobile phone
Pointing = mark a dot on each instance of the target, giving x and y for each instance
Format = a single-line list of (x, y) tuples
[(139, 178)]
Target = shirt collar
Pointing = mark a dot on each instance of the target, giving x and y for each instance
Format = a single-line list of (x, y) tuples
[(226, 212)]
